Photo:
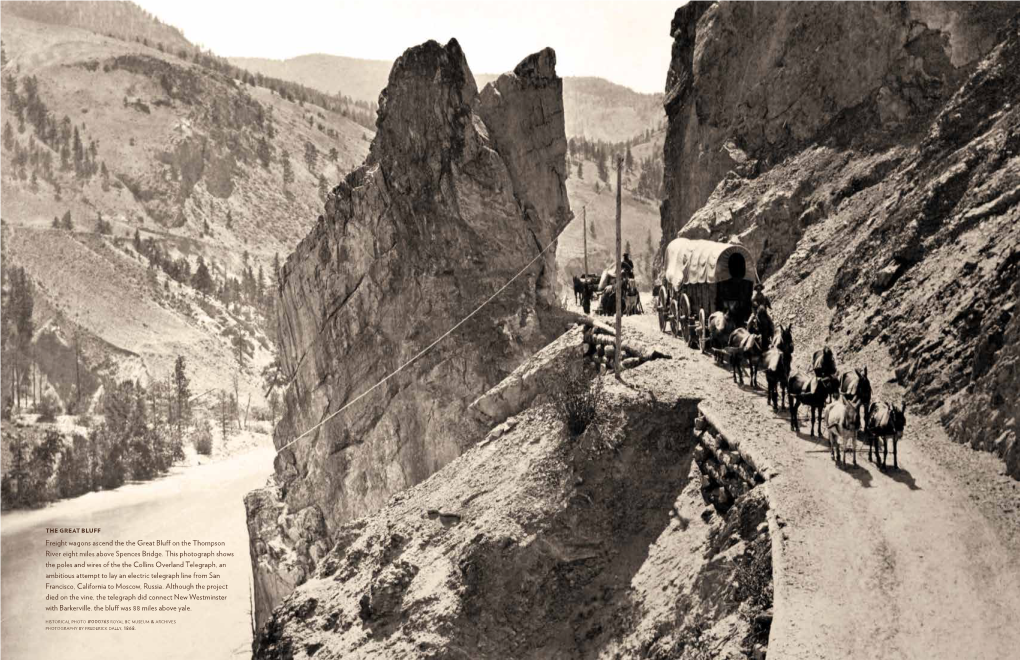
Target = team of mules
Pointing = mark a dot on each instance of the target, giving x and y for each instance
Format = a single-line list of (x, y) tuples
[(840, 404)]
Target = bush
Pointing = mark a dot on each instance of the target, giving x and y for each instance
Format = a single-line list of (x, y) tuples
[(203, 439), (579, 396), (755, 590), (47, 409)]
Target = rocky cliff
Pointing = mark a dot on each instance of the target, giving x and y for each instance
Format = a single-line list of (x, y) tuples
[(533, 544), (460, 191), (867, 154)]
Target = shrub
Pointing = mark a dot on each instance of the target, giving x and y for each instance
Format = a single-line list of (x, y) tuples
[(579, 396), (47, 409), (203, 439), (755, 590)]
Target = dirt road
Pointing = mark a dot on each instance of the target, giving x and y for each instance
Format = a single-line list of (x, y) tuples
[(203, 502), (870, 564)]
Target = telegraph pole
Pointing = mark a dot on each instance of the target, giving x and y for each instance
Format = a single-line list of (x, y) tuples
[(584, 233), (619, 270)]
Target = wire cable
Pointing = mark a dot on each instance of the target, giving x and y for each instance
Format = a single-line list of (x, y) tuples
[(427, 348)]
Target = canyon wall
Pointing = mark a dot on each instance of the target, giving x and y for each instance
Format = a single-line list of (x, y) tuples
[(461, 190), (867, 155)]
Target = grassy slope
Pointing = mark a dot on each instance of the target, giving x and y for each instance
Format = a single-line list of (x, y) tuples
[(106, 286), (639, 218)]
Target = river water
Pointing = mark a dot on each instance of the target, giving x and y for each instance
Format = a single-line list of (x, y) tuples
[(203, 502)]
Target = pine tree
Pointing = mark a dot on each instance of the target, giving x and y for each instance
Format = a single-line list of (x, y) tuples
[(202, 280), (182, 395), (263, 152), (311, 156), (8, 136), (323, 187), (288, 171), (56, 223), (230, 220), (629, 160), (137, 242), (65, 221), (580, 170), (591, 227)]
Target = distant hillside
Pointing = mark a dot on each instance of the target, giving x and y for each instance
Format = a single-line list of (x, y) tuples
[(124, 20), (129, 167), (594, 107), (332, 74)]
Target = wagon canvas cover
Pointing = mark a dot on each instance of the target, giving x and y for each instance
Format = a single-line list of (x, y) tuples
[(690, 261)]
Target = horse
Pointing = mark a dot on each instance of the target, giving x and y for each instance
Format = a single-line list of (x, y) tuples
[(883, 421), (742, 343), (841, 423), (813, 391), (856, 388), (720, 327), (824, 365)]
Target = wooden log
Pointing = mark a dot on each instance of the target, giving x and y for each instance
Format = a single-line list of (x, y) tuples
[(631, 362), (746, 475), (729, 458), (712, 469), (714, 442)]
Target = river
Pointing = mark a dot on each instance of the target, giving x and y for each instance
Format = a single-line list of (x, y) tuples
[(203, 502)]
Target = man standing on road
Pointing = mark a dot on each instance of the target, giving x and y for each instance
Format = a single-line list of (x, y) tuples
[(586, 295)]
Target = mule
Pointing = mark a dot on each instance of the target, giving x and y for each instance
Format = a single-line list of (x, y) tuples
[(742, 344), (823, 363), (720, 327), (814, 392), (778, 361), (579, 284), (856, 388), (885, 421), (761, 323), (841, 423), (777, 375)]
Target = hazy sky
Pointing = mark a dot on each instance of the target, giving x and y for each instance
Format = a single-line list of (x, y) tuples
[(626, 42)]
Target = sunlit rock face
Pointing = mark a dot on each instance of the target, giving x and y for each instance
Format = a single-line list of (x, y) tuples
[(461, 190)]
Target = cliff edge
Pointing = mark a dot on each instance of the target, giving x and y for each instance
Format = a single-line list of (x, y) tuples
[(460, 191)]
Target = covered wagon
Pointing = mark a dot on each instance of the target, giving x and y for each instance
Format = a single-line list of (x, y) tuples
[(703, 277)]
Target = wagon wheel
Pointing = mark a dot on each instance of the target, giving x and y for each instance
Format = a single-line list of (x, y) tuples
[(674, 318), (702, 330), (662, 308), (685, 311)]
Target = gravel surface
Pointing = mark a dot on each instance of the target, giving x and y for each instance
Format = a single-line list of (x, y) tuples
[(919, 562)]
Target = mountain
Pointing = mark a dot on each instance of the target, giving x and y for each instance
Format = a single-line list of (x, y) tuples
[(879, 196), (461, 189), (161, 158), (594, 107)]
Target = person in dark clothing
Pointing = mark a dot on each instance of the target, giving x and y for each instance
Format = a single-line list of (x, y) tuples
[(586, 296), (627, 266), (759, 299)]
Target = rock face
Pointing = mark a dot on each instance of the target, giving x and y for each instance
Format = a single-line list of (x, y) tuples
[(868, 156), (751, 84), (536, 545), (460, 192)]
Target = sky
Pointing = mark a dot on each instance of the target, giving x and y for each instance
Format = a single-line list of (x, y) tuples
[(625, 42)]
